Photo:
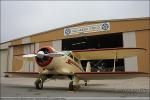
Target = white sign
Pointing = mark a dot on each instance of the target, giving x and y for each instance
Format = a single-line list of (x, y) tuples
[(87, 29)]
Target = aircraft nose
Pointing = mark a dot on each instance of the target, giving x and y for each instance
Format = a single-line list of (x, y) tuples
[(42, 59), (40, 54)]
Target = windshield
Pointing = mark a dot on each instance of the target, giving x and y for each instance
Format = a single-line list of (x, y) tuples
[(67, 52)]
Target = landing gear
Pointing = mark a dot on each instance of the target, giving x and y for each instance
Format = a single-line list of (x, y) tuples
[(74, 84), (71, 87), (39, 82), (85, 83)]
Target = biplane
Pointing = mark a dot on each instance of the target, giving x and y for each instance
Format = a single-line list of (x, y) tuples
[(56, 64)]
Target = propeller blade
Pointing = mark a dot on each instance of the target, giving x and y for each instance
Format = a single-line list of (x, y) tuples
[(29, 56), (41, 54), (55, 54)]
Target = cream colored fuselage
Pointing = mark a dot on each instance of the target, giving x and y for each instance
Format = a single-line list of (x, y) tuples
[(64, 65)]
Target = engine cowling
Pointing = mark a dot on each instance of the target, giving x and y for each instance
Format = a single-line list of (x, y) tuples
[(43, 61)]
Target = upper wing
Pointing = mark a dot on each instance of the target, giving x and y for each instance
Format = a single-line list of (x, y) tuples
[(108, 53), (108, 75)]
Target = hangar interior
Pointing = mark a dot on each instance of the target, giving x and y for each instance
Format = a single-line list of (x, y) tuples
[(126, 33), (97, 42)]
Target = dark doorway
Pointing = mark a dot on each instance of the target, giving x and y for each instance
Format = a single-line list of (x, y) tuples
[(96, 42)]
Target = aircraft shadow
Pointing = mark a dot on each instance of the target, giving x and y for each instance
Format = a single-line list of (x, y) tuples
[(82, 89), (94, 85)]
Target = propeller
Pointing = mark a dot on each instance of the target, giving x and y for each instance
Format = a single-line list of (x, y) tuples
[(41, 54), (44, 56)]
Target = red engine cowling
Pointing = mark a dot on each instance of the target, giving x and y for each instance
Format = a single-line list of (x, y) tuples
[(42, 62)]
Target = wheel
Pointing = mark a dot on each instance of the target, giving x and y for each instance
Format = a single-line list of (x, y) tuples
[(38, 84), (71, 87), (85, 83)]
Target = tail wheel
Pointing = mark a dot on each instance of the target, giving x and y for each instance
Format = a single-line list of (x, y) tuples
[(39, 84), (71, 87)]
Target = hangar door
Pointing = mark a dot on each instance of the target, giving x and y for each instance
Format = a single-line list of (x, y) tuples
[(3, 61), (96, 42), (17, 58), (18, 63), (28, 66)]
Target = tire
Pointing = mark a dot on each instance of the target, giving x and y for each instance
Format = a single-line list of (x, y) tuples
[(38, 84), (85, 83), (71, 87)]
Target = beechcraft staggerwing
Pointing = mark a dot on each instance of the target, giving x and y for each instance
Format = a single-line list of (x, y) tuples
[(68, 64)]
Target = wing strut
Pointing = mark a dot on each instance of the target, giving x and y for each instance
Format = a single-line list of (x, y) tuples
[(115, 58)]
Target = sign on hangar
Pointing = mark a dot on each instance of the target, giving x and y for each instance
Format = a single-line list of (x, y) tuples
[(87, 29)]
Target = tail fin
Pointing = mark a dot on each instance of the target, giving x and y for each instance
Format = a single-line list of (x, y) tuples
[(88, 67)]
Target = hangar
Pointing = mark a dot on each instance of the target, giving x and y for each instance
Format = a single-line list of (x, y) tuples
[(131, 32)]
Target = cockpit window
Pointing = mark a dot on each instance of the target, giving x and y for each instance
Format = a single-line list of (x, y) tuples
[(67, 52), (71, 56), (76, 59)]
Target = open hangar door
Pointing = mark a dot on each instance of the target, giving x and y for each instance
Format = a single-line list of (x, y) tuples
[(114, 40)]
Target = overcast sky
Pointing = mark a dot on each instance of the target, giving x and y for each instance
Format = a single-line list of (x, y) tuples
[(22, 18)]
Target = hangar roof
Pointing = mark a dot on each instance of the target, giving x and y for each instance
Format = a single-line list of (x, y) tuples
[(81, 23)]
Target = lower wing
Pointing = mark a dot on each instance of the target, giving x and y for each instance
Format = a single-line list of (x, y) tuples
[(23, 74), (108, 75), (84, 75), (36, 74)]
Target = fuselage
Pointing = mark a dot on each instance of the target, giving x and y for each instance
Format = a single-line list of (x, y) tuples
[(65, 65)]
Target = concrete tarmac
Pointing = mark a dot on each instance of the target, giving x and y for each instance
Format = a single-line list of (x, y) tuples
[(24, 87)]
